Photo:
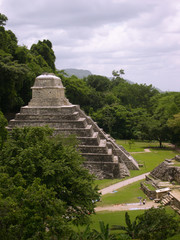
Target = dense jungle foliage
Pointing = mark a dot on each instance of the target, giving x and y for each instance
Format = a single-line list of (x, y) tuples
[(125, 110)]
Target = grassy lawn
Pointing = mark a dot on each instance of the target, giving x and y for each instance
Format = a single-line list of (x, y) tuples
[(176, 237), (107, 182), (111, 218), (137, 146), (151, 159), (126, 194), (117, 218), (114, 218)]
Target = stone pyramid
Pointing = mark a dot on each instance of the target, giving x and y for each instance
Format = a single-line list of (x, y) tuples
[(49, 106)]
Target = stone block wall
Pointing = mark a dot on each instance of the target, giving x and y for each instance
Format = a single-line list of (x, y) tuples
[(151, 194)]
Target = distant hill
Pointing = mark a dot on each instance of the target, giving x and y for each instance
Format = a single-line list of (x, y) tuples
[(80, 73), (124, 79)]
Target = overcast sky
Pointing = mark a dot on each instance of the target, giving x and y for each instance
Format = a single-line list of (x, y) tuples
[(140, 36)]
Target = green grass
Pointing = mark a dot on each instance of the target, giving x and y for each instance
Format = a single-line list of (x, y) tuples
[(111, 218), (114, 218), (137, 146), (118, 218), (126, 194), (175, 237), (149, 186), (107, 182), (151, 160)]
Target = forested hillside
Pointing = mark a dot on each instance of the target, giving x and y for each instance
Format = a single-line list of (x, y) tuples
[(18, 68), (127, 111)]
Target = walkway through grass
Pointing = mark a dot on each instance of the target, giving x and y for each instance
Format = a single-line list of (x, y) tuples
[(126, 194)]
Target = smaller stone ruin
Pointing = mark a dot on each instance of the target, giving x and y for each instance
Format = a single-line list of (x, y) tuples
[(163, 183), (167, 171)]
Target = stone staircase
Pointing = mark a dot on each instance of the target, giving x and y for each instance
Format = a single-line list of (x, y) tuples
[(170, 199), (175, 209), (103, 156), (166, 199)]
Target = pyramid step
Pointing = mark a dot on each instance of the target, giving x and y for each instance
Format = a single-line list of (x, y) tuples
[(80, 132), (109, 151), (80, 123), (98, 148), (92, 149), (103, 169), (47, 117), (56, 110), (93, 140), (98, 157), (115, 159), (103, 143)]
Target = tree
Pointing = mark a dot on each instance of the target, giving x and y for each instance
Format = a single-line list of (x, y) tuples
[(44, 184), (3, 19), (12, 76), (100, 83), (44, 49), (157, 224), (174, 125), (18, 68), (167, 106), (118, 73), (152, 224), (3, 131), (89, 234), (113, 119), (130, 228), (78, 92), (30, 213)]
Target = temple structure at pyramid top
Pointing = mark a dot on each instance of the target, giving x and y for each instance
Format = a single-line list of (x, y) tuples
[(49, 106), (48, 91)]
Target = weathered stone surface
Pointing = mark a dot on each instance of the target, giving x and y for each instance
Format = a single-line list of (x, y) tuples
[(166, 172), (48, 91), (177, 158), (49, 106), (151, 194)]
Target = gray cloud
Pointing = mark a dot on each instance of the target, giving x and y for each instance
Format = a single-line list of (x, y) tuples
[(143, 37)]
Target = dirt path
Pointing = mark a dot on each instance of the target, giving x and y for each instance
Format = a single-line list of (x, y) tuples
[(127, 207), (145, 151), (122, 184)]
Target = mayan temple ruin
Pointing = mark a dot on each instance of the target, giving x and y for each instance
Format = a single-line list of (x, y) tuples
[(49, 106)]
